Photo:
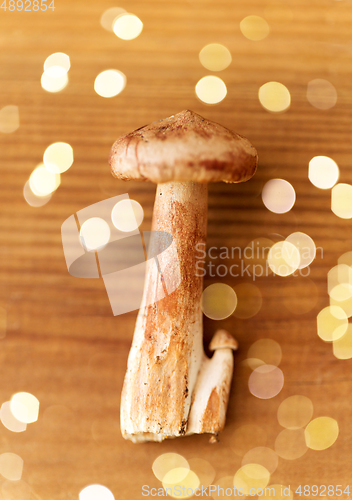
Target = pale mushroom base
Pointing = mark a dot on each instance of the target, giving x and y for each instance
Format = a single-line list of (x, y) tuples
[(167, 369), (210, 396)]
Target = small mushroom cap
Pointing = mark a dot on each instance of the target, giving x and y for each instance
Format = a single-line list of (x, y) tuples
[(222, 339), (184, 147)]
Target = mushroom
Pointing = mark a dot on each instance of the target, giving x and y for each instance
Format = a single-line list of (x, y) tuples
[(181, 154), (212, 390)]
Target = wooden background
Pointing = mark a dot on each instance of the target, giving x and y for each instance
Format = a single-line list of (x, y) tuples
[(62, 342)]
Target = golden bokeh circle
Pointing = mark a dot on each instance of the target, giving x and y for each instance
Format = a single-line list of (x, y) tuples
[(284, 258), (341, 200), (342, 347), (249, 300), (278, 196), (254, 28), (266, 381), (295, 412), (180, 482), (274, 97), (290, 444), (267, 350), (332, 323), (321, 433), (323, 172), (215, 57), (218, 301), (251, 476), (211, 89), (166, 462)]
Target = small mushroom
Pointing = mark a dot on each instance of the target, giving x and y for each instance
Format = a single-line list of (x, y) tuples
[(211, 393), (181, 154)]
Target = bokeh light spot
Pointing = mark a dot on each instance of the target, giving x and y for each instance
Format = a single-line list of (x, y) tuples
[(274, 97), (58, 157), (331, 323), (9, 119), (176, 475), (321, 433), (94, 234), (110, 83), (321, 94), (340, 284), (306, 247), (341, 292), (57, 65), (43, 182), (249, 300), (323, 172), (342, 347), (215, 57), (345, 305), (219, 301), (266, 381), (246, 437), (11, 466), (180, 482), (251, 476), (340, 274), (290, 444), (32, 199), (254, 28), (278, 196), (54, 85), (284, 258), (109, 16), (267, 350), (341, 200), (211, 89), (9, 421), (25, 407), (127, 26), (127, 215), (295, 412), (346, 259), (263, 456), (96, 492), (166, 462)]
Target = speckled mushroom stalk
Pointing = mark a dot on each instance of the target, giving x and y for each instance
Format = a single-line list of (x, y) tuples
[(170, 387), (167, 348)]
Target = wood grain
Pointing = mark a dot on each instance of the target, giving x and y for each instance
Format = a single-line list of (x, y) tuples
[(62, 342)]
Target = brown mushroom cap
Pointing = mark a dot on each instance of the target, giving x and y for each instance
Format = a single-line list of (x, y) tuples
[(223, 340), (183, 147)]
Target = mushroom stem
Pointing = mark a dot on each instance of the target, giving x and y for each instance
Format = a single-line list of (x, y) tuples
[(167, 348)]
